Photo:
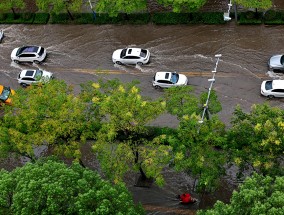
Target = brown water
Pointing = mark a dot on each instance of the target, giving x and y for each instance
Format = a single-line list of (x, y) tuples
[(76, 52)]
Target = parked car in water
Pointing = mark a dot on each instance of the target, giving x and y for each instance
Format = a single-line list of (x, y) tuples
[(5, 95), (131, 56), (28, 77), (272, 88), (34, 54), (276, 62), (169, 79)]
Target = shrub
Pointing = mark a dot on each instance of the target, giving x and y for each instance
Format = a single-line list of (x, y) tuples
[(103, 18), (170, 18), (2, 16), (138, 18), (270, 15), (250, 18), (62, 18), (212, 18), (83, 18), (41, 18)]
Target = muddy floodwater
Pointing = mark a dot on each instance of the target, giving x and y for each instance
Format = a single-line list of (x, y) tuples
[(80, 53)]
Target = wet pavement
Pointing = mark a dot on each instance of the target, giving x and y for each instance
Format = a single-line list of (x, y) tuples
[(80, 53)]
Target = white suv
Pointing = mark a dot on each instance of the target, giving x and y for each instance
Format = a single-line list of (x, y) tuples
[(168, 79), (28, 77), (274, 88), (34, 54)]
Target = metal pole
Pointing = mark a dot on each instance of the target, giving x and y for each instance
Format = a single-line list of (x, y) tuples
[(212, 80)]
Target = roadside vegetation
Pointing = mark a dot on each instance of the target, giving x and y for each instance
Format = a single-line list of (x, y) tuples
[(135, 12), (114, 117)]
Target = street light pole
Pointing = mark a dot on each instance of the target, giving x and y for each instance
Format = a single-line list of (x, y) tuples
[(211, 80)]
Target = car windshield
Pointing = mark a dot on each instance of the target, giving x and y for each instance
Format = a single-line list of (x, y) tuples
[(38, 75), (143, 53), (123, 53), (268, 85), (41, 51), (282, 60), (174, 78), (5, 94)]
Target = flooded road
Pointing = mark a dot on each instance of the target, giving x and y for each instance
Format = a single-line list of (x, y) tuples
[(81, 53)]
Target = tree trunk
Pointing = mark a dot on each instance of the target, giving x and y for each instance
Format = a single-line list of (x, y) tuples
[(70, 15), (236, 12)]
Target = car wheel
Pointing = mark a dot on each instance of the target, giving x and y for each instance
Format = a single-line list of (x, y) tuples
[(24, 85), (118, 62), (271, 96), (16, 61), (158, 87), (139, 63), (36, 61)]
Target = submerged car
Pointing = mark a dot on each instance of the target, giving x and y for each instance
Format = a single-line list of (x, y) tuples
[(5, 95), (34, 54), (276, 62), (272, 88), (28, 77), (169, 79), (131, 56)]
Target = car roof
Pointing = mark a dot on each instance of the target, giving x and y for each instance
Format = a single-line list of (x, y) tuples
[(133, 52), (163, 76), (278, 84), (29, 49), (28, 73)]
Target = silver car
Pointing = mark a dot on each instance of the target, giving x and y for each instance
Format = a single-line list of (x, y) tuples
[(28, 77), (168, 79), (276, 62), (272, 88)]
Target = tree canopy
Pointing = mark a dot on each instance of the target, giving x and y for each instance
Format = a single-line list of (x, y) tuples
[(122, 144), (50, 187), (114, 7), (261, 4), (257, 195), (183, 5), (6, 5), (256, 140), (46, 115)]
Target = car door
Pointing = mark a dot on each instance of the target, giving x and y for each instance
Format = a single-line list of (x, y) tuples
[(278, 92), (130, 59), (27, 80), (26, 57), (164, 83)]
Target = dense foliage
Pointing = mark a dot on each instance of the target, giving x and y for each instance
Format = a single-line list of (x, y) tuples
[(49, 116), (6, 5), (260, 4), (53, 188), (122, 143), (257, 195), (183, 5), (256, 139)]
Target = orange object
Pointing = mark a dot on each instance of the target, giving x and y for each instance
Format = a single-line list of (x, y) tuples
[(5, 94)]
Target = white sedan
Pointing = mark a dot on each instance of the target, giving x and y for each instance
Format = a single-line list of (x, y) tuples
[(272, 88), (131, 56), (169, 79), (28, 77)]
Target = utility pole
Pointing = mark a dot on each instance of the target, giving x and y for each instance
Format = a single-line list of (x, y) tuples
[(212, 81)]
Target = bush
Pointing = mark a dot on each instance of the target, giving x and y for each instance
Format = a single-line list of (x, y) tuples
[(138, 18), (270, 15), (250, 18), (83, 18), (170, 18), (41, 18), (62, 18), (103, 18), (2, 16), (19, 18), (209, 18)]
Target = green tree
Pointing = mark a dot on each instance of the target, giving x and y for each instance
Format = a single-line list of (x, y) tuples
[(58, 6), (6, 5), (50, 187), (256, 140), (183, 5), (47, 115), (198, 151), (122, 142), (257, 195), (113, 8), (260, 4), (197, 146)]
